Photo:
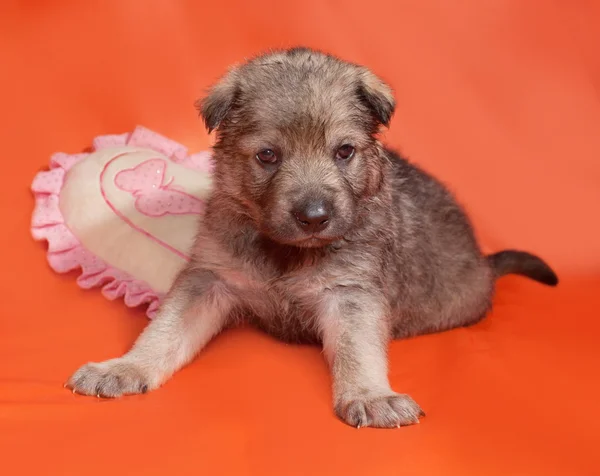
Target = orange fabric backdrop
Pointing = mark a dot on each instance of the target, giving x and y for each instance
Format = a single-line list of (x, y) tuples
[(500, 98)]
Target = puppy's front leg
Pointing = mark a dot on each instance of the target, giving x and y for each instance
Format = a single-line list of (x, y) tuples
[(355, 331), (195, 310)]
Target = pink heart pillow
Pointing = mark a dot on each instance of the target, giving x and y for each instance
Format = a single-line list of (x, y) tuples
[(125, 213)]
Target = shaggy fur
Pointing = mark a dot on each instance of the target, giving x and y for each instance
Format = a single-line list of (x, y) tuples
[(391, 254)]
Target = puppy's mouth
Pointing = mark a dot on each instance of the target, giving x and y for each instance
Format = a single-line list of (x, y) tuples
[(314, 241)]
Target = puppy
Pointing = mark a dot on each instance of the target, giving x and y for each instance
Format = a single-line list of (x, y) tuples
[(316, 233)]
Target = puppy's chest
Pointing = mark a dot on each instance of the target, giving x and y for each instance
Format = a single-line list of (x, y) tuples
[(280, 291), (285, 306)]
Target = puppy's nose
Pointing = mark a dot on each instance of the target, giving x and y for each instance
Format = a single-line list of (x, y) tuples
[(313, 216)]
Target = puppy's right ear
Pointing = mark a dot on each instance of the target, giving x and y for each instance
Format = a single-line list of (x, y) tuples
[(219, 101)]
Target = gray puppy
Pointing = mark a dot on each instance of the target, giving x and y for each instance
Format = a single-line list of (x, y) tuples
[(316, 233)]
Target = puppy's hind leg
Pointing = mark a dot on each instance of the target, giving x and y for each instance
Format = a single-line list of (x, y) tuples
[(194, 311)]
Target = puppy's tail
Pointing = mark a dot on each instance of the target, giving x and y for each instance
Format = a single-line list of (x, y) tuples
[(524, 264)]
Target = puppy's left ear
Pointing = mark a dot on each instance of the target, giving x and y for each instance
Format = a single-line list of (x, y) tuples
[(377, 95), (215, 107)]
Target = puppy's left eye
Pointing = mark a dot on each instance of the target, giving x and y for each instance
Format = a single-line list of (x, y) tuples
[(345, 152)]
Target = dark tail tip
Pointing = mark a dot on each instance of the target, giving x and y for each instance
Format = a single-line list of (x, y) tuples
[(524, 264)]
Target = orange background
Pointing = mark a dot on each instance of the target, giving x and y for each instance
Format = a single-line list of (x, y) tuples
[(499, 98)]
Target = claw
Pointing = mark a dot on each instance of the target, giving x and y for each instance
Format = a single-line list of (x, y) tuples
[(74, 391), (98, 395), (358, 426)]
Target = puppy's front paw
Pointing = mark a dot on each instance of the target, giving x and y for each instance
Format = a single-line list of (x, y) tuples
[(112, 378), (387, 411)]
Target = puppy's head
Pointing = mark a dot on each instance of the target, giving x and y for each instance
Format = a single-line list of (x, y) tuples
[(296, 142)]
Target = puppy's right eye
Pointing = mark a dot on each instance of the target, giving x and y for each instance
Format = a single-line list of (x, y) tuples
[(267, 156)]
